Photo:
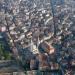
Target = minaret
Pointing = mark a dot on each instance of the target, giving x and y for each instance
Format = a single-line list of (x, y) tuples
[(31, 47), (34, 48), (38, 42)]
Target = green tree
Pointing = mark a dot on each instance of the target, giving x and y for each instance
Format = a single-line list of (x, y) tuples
[(4, 54)]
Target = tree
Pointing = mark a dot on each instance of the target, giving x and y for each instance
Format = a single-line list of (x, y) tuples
[(4, 54)]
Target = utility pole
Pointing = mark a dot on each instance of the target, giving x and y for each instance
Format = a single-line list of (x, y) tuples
[(57, 20), (55, 14)]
